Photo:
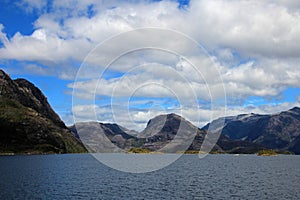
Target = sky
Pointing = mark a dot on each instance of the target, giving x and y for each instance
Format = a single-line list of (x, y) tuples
[(128, 61)]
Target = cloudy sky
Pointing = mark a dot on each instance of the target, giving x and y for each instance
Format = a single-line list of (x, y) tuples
[(127, 61)]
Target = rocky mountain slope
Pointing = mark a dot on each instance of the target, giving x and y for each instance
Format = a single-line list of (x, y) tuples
[(104, 138), (279, 131), (27, 122), (169, 133)]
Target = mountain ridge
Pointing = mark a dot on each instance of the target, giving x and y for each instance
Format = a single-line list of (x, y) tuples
[(162, 129), (168, 133), (279, 131)]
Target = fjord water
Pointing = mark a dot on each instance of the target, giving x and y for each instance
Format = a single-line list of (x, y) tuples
[(81, 176)]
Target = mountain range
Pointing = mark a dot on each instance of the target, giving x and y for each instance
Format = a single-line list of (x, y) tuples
[(28, 124), (280, 131), (168, 133)]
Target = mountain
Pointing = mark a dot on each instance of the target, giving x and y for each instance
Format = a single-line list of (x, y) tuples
[(101, 137), (279, 131), (169, 133), (27, 122)]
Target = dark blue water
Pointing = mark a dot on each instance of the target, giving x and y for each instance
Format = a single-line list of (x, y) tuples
[(213, 177)]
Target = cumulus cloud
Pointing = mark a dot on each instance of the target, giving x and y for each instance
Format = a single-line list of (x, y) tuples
[(253, 28), (263, 28), (256, 28), (32, 5), (152, 80), (253, 44)]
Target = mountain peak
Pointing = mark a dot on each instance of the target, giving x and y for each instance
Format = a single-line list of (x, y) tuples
[(173, 115), (161, 119), (295, 109), (4, 79), (2, 73), (27, 94)]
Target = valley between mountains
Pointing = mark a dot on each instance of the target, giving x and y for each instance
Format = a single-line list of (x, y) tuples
[(28, 125)]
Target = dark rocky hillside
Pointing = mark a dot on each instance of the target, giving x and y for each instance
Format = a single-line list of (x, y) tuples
[(279, 131), (27, 122), (171, 130)]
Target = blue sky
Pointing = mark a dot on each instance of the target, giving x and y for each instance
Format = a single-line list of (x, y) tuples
[(254, 51)]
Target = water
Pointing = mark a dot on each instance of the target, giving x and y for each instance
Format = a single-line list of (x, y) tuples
[(213, 177)]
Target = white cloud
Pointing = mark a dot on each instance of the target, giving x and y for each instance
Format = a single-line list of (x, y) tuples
[(32, 5), (260, 27), (35, 69), (256, 43), (252, 28), (150, 80)]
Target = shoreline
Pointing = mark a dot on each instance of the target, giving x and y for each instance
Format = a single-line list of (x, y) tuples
[(153, 153)]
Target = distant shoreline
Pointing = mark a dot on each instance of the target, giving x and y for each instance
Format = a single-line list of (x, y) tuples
[(154, 153)]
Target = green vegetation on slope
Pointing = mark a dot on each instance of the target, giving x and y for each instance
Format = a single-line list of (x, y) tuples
[(23, 130), (267, 152), (139, 150)]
